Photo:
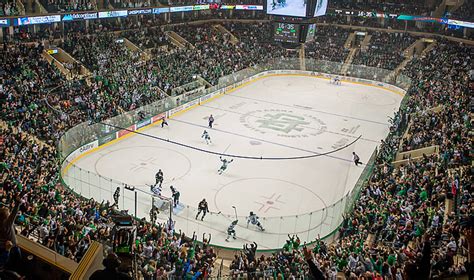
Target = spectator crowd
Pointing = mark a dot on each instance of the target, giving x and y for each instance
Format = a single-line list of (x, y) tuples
[(401, 226), (9, 8), (385, 50), (328, 44)]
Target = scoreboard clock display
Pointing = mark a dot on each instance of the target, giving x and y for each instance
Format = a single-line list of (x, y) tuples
[(286, 32)]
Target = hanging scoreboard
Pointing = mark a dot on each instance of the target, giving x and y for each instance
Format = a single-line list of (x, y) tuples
[(286, 32)]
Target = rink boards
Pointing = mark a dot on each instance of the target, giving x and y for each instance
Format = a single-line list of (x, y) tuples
[(323, 220)]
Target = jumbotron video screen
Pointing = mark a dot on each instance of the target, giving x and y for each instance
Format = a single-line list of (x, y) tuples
[(292, 8)]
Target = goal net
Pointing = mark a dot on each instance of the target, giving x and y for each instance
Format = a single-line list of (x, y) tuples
[(162, 204)]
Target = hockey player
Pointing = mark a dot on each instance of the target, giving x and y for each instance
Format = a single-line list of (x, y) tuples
[(164, 122), (211, 121), (253, 218), (206, 137), (225, 162), (278, 3), (202, 207), (156, 189), (231, 230), (175, 194), (356, 159), (159, 177)]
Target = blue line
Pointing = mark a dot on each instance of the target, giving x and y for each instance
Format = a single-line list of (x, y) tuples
[(265, 141), (312, 110)]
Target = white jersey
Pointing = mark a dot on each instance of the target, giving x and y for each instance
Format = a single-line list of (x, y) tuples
[(156, 189), (225, 162), (206, 136), (231, 227), (253, 219), (170, 227)]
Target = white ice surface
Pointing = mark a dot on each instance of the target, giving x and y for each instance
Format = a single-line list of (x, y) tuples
[(245, 124)]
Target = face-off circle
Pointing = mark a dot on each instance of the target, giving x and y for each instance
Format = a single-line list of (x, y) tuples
[(141, 164), (279, 203), (271, 198)]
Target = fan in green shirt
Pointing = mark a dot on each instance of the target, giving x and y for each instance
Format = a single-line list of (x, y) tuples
[(424, 195), (377, 265), (341, 263), (19, 185), (58, 197), (391, 259), (402, 191), (288, 246), (4, 166)]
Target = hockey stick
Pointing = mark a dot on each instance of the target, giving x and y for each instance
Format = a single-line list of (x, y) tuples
[(226, 149), (235, 211)]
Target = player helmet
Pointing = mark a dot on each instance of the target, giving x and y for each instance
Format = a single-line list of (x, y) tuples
[(251, 213)]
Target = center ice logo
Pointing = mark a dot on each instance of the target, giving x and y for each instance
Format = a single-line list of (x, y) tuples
[(285, 123), (282, 122)]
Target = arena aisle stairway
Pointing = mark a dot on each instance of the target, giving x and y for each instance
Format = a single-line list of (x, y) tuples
[(348, 60), (439, 9), (219, 28), (177, 40), (366, 42), (349, 40), (302, 57), (20, 7), (415, 48), (221, 268), (28, 5), (40, 9), (431, 46), (41, 143), (457, 4), (131, 46)]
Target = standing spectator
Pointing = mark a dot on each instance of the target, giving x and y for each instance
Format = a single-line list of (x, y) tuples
[(313, 268), (7, 231), (111, 263), (8, 244), (250, 251), (116, 197)]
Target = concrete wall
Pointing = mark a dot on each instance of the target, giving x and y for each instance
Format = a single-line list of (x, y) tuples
[(47, 255)]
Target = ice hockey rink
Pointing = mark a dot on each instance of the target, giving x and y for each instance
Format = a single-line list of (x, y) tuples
[(279, 117)]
